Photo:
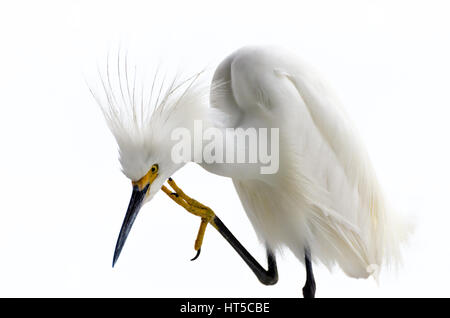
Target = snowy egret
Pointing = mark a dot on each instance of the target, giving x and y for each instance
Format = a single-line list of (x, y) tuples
[(323, 202)]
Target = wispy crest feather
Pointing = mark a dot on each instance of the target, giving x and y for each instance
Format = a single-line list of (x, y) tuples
[(134, 108)]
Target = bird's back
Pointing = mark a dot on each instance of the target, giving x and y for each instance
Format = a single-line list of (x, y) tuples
[(325, 196)]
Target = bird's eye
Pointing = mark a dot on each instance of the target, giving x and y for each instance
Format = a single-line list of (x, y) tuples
[(154, 168)]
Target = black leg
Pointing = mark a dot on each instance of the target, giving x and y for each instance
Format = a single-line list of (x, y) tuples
[(309, 290), (267, 277)]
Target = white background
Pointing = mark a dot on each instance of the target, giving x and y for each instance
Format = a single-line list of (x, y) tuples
[(63, 196)]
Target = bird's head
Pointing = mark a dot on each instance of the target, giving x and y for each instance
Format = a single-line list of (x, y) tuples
[(142, 124), (147, 171)]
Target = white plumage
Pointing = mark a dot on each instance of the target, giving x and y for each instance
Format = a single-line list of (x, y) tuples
[(325, 196)]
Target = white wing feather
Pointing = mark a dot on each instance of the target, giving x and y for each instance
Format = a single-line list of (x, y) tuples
[(326, 196)]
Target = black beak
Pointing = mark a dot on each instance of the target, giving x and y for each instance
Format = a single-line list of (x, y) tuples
[(133, 209)]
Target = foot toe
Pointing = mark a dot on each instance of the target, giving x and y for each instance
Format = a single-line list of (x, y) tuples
[(309, 290)]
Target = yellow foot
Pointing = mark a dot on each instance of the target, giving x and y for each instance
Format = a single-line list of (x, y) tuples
[(205, 213)]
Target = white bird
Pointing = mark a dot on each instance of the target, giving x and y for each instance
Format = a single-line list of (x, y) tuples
[(324, 203)]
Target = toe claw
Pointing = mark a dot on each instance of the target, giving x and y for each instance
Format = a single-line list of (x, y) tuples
[(197, 255), (175, 194)]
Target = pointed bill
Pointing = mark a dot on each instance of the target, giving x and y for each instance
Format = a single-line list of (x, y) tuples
[(137, 197)]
